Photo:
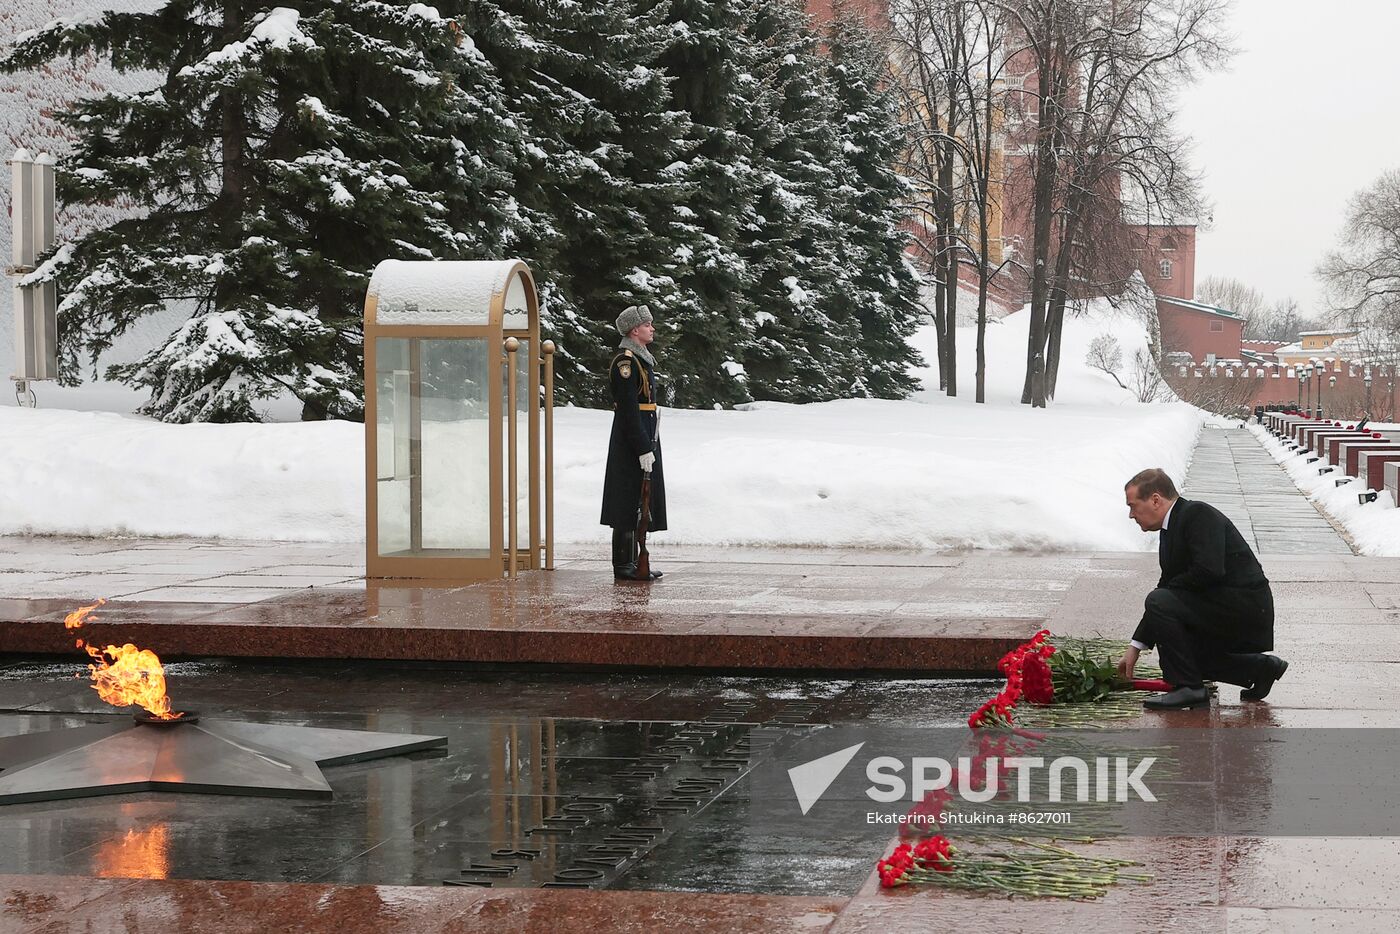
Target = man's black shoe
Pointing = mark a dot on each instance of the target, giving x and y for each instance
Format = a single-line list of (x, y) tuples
[(1180, 699), (1261, 688)]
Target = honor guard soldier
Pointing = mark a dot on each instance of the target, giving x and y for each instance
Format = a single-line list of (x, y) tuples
[(634, 449)]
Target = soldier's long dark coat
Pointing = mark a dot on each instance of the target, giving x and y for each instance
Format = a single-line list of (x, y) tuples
[(633, 386)]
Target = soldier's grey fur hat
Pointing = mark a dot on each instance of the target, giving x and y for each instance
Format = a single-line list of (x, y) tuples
[(632, 316)]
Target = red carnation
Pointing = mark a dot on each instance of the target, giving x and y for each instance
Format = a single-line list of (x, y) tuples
[(935, 853), (1038, 687)]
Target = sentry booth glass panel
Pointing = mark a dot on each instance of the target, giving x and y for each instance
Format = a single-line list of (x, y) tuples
[(433, 442)]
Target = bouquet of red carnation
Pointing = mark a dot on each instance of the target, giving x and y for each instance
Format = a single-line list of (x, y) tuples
[(1044, 674), (934, 853), (1027, 675)]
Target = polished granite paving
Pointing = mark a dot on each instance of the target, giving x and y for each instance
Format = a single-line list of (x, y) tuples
[(554, 780)]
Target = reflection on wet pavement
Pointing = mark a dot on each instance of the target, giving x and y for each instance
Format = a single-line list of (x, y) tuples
[(555, 780)]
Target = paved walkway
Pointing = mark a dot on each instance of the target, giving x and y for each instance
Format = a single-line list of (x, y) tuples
[(1231, 471)]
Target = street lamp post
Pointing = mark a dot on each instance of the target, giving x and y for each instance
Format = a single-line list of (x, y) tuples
[(1299, 373), (1318, 369), (1331, 384), (1366, 380), (1307, 376), (1314, 369)]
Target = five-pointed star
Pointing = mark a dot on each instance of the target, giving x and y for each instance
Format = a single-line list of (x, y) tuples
[(226, 757)]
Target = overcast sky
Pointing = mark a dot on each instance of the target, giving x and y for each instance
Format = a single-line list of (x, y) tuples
[(1308, 112)]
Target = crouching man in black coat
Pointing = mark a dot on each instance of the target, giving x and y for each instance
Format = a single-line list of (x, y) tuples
[(635, 446), (1212, 613)]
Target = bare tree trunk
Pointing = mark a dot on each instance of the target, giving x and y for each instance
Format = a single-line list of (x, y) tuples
[(983, 141), (1059, 286), (948, 257), (1051, 85), (983, 270), (940, 320)]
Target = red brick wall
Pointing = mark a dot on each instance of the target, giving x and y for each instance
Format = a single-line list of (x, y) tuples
[(1192, 331), (1345, 398), (1175, 246)]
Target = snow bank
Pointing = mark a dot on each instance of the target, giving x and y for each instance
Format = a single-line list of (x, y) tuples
[(99, 473), (927, 472), (1375, 527)]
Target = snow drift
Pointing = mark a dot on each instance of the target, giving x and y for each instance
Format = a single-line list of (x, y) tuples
[(929, 472)]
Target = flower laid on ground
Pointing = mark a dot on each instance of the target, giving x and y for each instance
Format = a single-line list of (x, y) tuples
[(1043, 674), (1040, 870), (932, 853), (1027, 675), (893, 868), (1081, 677), (1047, 676)]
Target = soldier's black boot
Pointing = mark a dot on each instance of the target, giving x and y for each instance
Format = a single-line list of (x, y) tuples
[(624, 554), (625, 557)]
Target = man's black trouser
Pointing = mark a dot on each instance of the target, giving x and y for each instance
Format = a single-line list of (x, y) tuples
[(1215, 635)]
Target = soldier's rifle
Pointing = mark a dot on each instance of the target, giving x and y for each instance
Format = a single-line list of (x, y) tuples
[(643, 571)]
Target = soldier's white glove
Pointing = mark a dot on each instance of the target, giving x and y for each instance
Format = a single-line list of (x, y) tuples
[(647, 460)]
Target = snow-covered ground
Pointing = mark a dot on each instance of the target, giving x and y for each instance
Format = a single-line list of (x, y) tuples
[(927, 472), (1375, 527)]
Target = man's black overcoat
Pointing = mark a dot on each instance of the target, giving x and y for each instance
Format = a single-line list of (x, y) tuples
[(633, 386), (1203, 554)]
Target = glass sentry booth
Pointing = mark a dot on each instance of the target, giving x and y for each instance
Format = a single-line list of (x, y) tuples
[(458, 422)]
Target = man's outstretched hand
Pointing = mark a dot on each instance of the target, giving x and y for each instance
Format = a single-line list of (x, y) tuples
[(1127, 665)]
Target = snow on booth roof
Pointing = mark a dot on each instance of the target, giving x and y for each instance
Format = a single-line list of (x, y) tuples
[(438, 292)]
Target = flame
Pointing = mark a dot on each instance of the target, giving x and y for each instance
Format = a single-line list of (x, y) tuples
[(80, 615), (123, 675), (140, 854)]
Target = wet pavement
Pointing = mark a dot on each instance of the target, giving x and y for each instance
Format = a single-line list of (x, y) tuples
[(717, 608), (624, 781), (1232, 471), (646, 771)]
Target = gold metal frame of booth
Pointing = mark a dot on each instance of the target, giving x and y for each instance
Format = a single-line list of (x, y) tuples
[(505, 556)]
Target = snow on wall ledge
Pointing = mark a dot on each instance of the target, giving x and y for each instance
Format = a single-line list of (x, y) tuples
[(930, 472)]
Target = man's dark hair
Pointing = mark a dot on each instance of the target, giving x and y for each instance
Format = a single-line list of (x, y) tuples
[(1152, 480)]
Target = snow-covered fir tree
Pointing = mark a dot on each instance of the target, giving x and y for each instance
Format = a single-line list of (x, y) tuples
[(803, 347), (283, 153), (597, 173), (703, 157), (705, 337), (880, 288)]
